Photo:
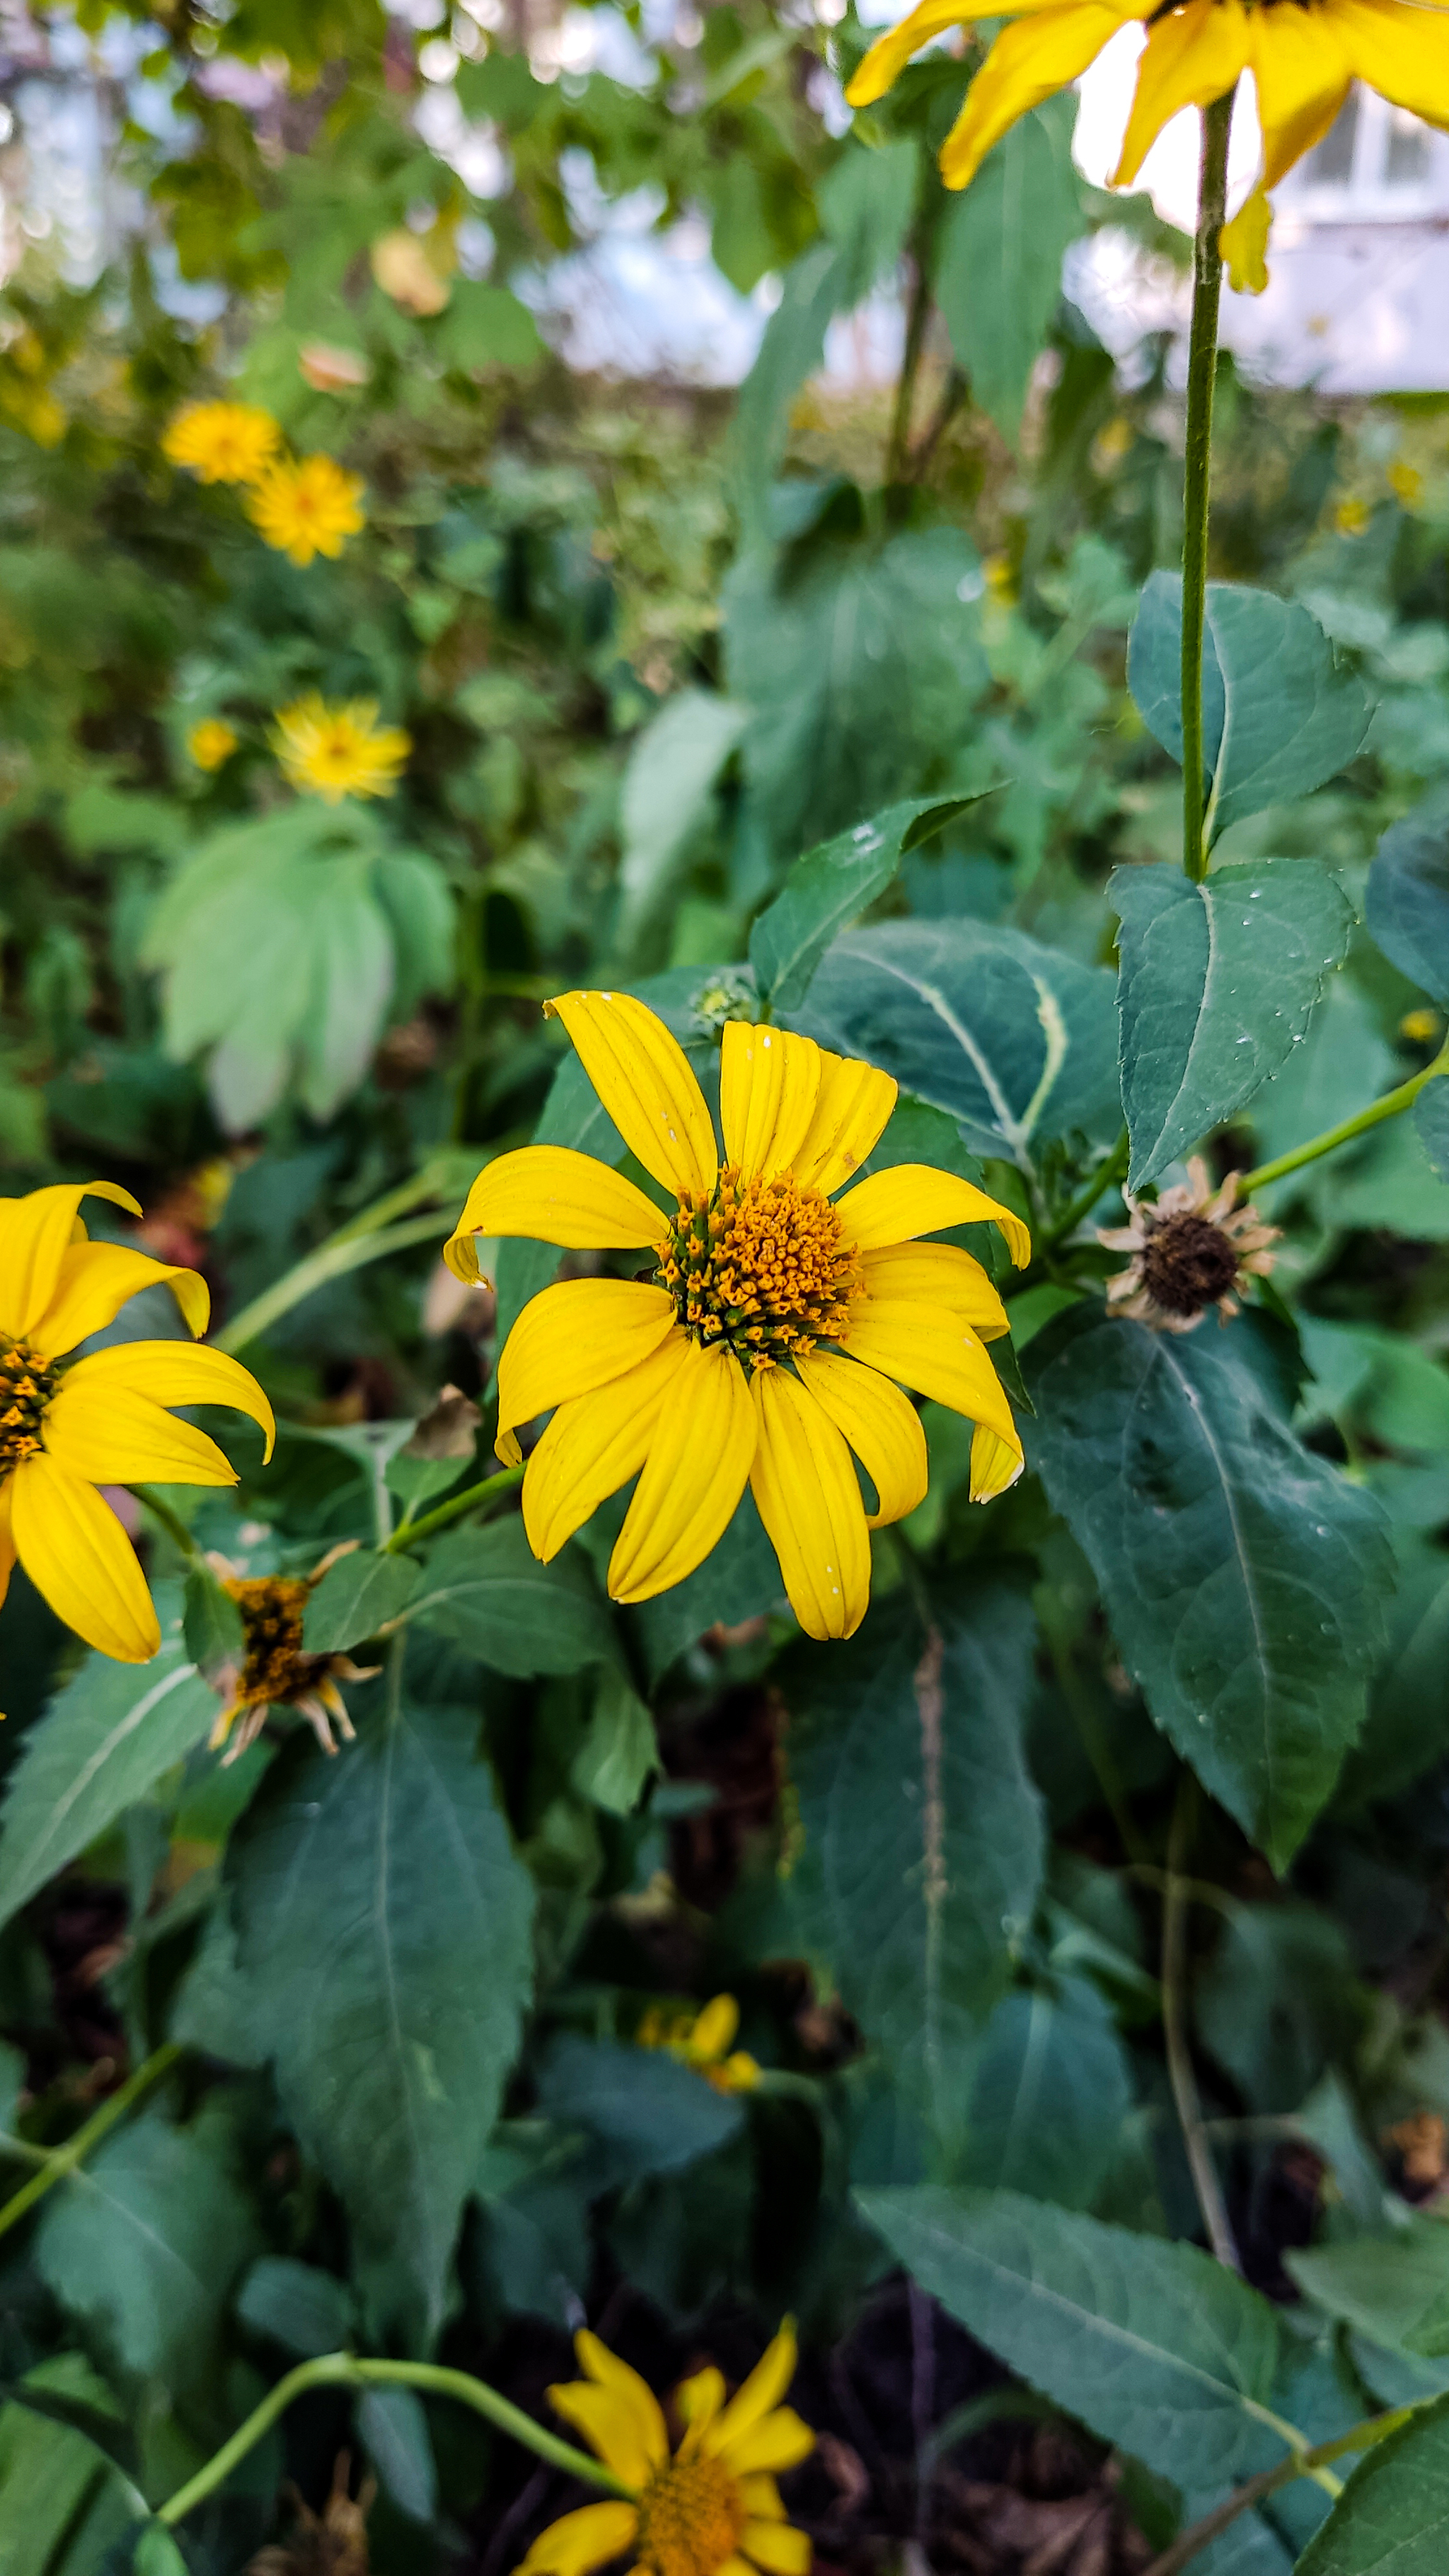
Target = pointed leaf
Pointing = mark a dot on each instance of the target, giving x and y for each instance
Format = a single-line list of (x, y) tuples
[(1392, 2518), (830, 887), (486, 1590), (357, 1598), (999, 264)]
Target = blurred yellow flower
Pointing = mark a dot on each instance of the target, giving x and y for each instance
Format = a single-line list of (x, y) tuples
[(712, 2508), (223, 442), (1419, 1026), (1406, 483), (211, 742), (779, 1326), (704, 2041), (308, 508), (1304, 60), (1244, 244), (337, 751), (66, 1428), (1352, 517)]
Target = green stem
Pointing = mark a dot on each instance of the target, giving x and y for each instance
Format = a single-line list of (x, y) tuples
[(898, 455), (1392, 1105), (345, 2370), (1105, 1178), (1174, 2025), (1207, 289), (63, 2160), (332, 1260), (472, 1500), (172, 1523), (1299, 2464)]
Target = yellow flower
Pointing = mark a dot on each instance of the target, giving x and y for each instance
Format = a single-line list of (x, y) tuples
[(67, 1428), (222, 442), (767, 1344), (1352, 517), (308, 508), (710, 2509), (211, 742), (337, 751), (275, 1670), (1244, 244), (1406, 483), (704, 2041), (1304, 55)]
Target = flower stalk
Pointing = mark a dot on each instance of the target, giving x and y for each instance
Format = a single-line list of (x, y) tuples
[(1207, 289), (1392, 1105), (62, 2160)]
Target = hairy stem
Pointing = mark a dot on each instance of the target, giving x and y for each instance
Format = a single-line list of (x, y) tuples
[(63, 2160), (1392, 1105), (1175, 1901), (1207, 289), (472, 1499)]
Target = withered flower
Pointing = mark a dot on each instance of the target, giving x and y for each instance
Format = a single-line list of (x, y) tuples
[(275, 1671), (1191, 1249), (330, 2543)]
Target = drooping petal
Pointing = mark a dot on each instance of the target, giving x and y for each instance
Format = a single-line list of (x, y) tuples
[(552, 1195), (593, 1445), (630, 2389), (34, 1234), (778, 2548), (930, 1349), (996, 1462), (113, 1436), (1028, 63), (692, 1478), (572, 1338), (1191, 57), (762, 2390), (882, 1427), (912, 1199), (805, 1484), (890, 53), (94, 1283), (174, 1373), (7, 1540), (850, 1118), (644, 1079), (1402, 52), (78, 1556), (941, 1275), (579, 2542), (769, 1085)]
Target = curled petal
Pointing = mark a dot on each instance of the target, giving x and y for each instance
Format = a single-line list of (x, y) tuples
[(550, 1194), (174, 1373), (34, 1234), (1027, 64), (927, 1348), (940, 1275), (645, 1081), (1191, 57), (912, 1199), (996, 1463), (116, 1437), (890, 53), (95, 1281), (1403, 53)]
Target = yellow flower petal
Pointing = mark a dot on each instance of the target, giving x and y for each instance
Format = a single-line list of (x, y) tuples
[(552, 1195), (941, 1275), (593, 1445), (699, 2400), (580, 2541), (777, 2547), (769, 1086), (912, 1199), (1243, 244), (850, 1118), (930, 1349), (761, 2499), (174, 1373), (782, 2441), (605, 2367), (113, 1436), (882, 1427), (94, 1282), (34, 1234), (609, 2425), (715, 2027), (644, 1080), (1301, 86), (1027, 64), (78, 1556), (1192, 56), (996, 1463), (692, 1479), (805, 1484), (890, 53), (7, 1539), (573, 1338), (1403, 52), (763, 2389)]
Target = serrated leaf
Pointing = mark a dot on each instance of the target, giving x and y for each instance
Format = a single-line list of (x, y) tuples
[(1407, 907), (1394, 2511), (1394, 2287), (645, 2112), (999, 261), (1244, 1577), (383, 1929), (1049, 2094), (486, 1590), (1279, 716), (1215, 988), (830, 887), (357, 1598), (1153, 2346), (305, 2310)]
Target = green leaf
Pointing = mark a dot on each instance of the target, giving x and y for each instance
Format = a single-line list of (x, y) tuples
[(866, 201), (1408, 896), (1014, 1041), (1431, 1117), (486, 1590), (620, 1754), (791, 348), (1393, 2514), (1277, 2002), (831, 887), (1279, 716), (486, 326), (306, 2311), (358, 1597), (1050, 2093), (393, 2428), (212, 1623), (1408, 1723), (384, 1932), (740, 1579), (667, 796), (999, 266), (1394, 2288), (1244, 1577), (1153, 2346), (63, 2505), (1215, 988), (646, 2112), (921, 1834), (100, 1746)]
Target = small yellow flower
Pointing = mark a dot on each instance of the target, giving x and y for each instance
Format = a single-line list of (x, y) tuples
[(308, 508), (276, 1671), (1419, 1026), (1352, 517), (779, 1326), (712, 2508), (223, 442), (1406, 483), (67, 1428), (211, 742), (705, 2042), (337, 751), (1304, 59), (1244, 244)]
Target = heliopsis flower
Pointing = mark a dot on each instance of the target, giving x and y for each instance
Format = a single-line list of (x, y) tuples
[(211, 742), (223, 442), (68, 1426), (276, 1672), (703, 2041), (776, 1331), (308, 508), (1304, 55), (710, 2509), (1190, 1250), (337, 751)]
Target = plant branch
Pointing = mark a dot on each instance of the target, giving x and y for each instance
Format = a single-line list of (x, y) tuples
[(898, 454), (505, 1482), (1207, 289), (1175, 1901), (346, 2370), (1299, 2464), (1392, 1105), (1105, 1178), (64, 2160), (332, 1260)]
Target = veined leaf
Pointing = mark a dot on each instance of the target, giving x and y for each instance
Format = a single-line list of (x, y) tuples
[(1393, 2514), (486, 1590), (359, 1595), (1050, 2092), (999, 266), (830, 887), (1392, 2287)]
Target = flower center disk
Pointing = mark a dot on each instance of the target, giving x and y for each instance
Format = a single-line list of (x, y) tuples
[(27, 1384), (764, 1265), (272, 1610), (1189, 1263), (690, 2519)]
